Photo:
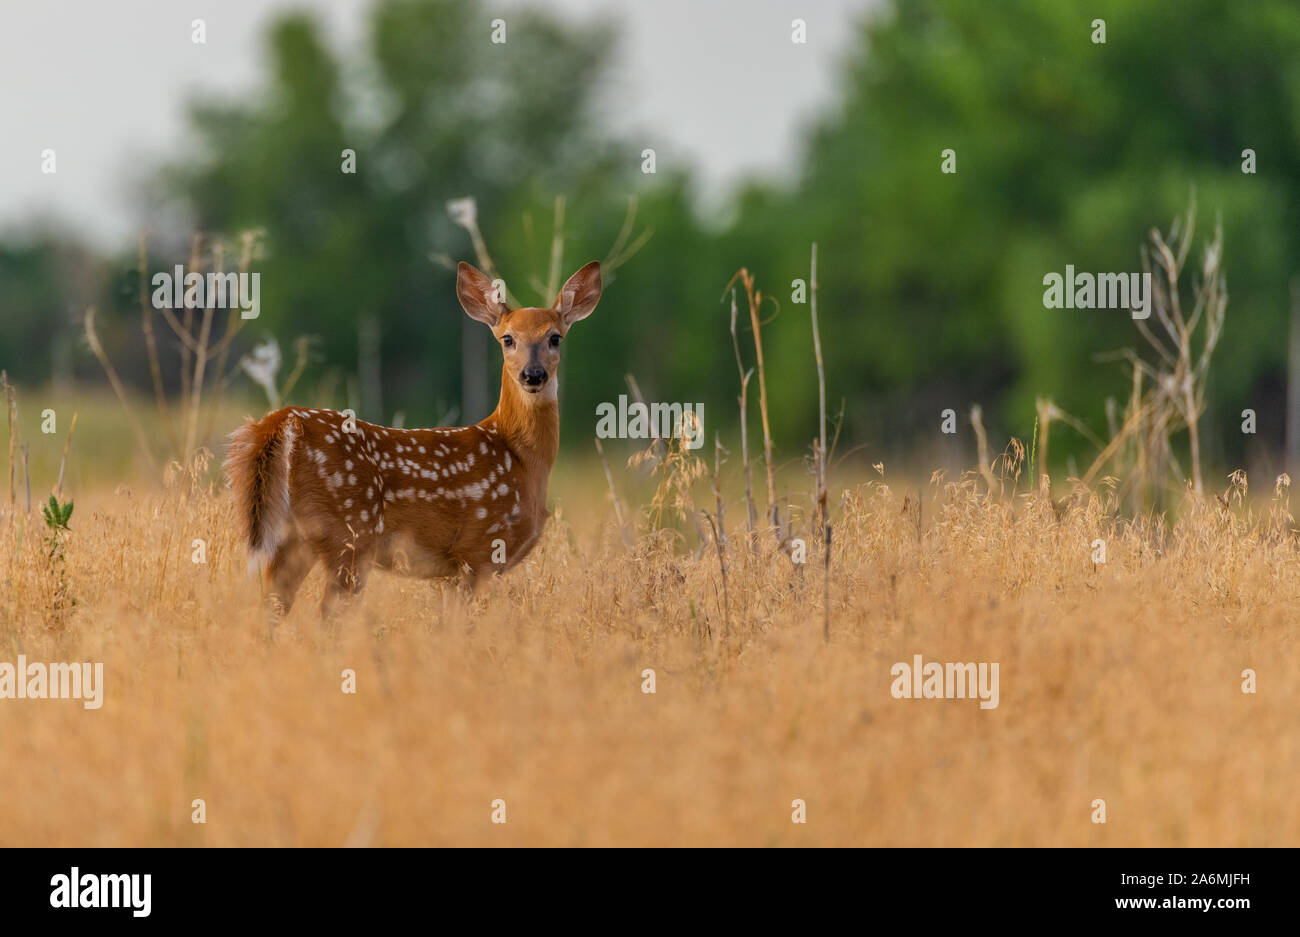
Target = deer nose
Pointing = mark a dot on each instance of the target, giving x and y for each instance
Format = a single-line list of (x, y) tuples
[(533, 376)]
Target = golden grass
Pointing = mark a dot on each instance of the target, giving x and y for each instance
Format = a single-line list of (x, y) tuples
[(1119, 681)]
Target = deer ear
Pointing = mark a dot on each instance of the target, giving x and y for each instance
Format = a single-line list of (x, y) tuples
[(478, 296), (579, 295)]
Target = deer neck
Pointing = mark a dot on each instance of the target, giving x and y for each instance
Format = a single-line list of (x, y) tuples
[(530, 424)]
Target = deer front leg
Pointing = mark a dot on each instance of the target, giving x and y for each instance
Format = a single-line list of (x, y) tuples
[(473, 577), (347, 568)]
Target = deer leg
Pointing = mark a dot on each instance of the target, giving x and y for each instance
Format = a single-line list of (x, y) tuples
[(471, 580), (285, 573), (348, 566)]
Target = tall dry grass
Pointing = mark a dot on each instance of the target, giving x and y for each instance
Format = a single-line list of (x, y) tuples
[(1118, 681)]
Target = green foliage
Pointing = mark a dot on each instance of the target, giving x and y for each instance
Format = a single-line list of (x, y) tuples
[(1067, 151), (59, 599), (438, 112), (57, 515)]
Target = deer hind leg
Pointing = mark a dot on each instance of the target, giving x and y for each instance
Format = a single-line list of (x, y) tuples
[(285, 573)]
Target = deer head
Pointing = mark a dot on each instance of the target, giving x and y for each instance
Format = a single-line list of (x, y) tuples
[(530, 337)]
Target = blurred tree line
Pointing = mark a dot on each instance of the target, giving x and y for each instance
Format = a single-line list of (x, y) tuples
[(1067, 152)]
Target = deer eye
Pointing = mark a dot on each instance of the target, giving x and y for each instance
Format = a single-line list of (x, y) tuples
[(508, 341), (555, 341)]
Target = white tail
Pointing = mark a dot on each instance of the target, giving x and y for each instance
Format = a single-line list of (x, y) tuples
[(317, 485)]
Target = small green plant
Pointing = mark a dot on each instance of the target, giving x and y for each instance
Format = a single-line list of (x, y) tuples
[(57, 515)]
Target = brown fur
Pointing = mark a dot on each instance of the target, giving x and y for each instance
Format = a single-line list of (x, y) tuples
[(430, 502), (257, 465)]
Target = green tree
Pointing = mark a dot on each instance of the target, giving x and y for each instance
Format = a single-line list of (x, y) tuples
[(435, 111), (1068, 152)]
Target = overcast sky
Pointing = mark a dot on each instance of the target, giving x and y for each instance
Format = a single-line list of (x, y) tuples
[(104, 84)]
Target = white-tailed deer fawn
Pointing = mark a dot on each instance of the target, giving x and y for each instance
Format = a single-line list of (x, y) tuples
[(317, 485)]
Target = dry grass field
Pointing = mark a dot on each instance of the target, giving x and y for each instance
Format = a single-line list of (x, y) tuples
[(1120, 681)]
